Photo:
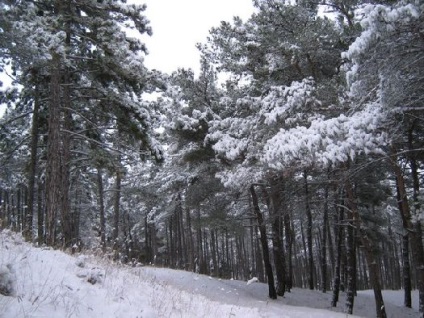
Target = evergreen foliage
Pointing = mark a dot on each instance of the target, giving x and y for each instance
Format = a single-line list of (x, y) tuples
[(295, 153)]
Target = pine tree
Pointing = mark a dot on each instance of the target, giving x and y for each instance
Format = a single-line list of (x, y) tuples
[(91, 64)]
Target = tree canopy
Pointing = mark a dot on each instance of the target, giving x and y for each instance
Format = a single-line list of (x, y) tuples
[(296, 152)]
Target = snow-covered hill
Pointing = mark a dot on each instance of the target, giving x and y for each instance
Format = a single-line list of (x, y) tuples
[(48, 283)]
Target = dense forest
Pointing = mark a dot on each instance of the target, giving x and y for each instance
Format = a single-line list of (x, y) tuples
[(294, 156)]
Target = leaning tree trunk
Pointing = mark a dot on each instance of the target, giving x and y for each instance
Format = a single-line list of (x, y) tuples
[(264, 243)]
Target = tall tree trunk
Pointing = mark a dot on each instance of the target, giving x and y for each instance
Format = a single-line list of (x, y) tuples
[(101, 209), (116, 211), (53, 176), (351, 263), (214, 253), (324, 243), (68, 224), (417, 209), (264, 242), (414, 233), (309, 234), (373, 265), (339, 243), (171, 241), (32, 166), (40, 215), (407, 286), (199, 236), (289, 249), (278, 202), (274, 203), (190, 242)]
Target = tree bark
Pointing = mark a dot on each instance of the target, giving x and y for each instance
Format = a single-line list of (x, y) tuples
[(373, 266), (274, 203), (264, 242), (351, 263), (414, 232), (324, 243), (68, 224), (32, 166), (339, 243), (116, 212), (309, 234), (417, 210), (407, 286), (53, 175), (289, 249), (40, 216), (190, 242), (101, 209)]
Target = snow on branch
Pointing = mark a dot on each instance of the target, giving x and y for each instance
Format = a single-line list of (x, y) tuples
[(327, 141)]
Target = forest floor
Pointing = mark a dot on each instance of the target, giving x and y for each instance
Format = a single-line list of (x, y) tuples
[(49, 283)]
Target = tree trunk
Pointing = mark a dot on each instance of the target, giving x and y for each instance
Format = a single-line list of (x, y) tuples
[(414, 232), (417, 213), (190, 243), (116, 212), (372, 262), (339, 243), (32, 169), (309, 234), (53, 170), (67, 223), (289, 248), (324, 243), (274, 203), (407, 286), (264, 242), (40, 216), (101, 209), (214, 253), (351, 263)]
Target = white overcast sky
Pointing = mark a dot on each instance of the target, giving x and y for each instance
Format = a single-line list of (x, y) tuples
[(179, 24)]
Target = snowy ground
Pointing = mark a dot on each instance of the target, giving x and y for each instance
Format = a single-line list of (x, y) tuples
[(52, 284)]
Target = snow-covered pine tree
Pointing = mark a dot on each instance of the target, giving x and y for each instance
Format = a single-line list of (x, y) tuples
[(391, 32), (93, 67)]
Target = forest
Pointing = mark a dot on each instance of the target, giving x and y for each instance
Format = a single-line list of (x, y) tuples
[(294, 156)]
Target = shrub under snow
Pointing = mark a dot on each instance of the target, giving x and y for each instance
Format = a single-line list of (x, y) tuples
[(7, 280)]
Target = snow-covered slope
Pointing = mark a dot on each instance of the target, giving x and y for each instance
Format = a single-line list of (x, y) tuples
[(49, 283)]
